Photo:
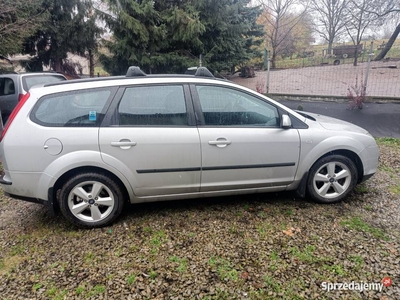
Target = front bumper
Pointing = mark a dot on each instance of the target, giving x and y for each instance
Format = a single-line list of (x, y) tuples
[(4, 181)]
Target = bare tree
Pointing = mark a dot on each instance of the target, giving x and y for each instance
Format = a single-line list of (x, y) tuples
[(387, 9), (360, 19), (330, 18), (280, 19)]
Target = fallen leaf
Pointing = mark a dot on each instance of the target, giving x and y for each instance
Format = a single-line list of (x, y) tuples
[(244, 275), (392, 250), (289, 231)]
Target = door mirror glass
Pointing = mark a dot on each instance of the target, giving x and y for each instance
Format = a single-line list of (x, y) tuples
[(286, 122)]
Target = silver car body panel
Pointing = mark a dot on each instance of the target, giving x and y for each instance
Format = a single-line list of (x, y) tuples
[(162, 160), (248, 157), (173, 162)]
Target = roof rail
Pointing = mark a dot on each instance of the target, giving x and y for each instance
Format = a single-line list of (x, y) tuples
[(135, 71)]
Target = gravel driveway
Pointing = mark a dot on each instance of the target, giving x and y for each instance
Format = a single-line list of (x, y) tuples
[(266, 246)]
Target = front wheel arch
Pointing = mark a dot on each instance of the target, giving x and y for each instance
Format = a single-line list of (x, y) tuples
[(331, 178), (302, 187), (353, 157)]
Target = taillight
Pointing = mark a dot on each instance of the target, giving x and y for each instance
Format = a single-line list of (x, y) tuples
[(14, 113)]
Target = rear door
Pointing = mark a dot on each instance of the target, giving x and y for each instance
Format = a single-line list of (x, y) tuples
[(243, 145), (153, 140)]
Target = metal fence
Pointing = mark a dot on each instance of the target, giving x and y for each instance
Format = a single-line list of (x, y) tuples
[(324, 78)]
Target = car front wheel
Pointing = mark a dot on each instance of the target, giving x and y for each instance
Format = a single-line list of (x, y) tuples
[(331, 179), (91, 200)]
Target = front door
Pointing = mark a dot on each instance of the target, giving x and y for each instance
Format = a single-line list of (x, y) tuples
[(243, 145)]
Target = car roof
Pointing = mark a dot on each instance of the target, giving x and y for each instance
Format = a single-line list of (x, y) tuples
[(30, 74), (136, 72), (123, 78)]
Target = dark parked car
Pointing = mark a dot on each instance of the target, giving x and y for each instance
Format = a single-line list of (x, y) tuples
[(14, 86)]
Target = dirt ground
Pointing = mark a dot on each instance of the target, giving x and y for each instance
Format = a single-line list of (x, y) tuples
[(383, 80), (250, 247)]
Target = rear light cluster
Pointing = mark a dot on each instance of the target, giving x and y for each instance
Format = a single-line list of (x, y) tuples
[(22, 100)]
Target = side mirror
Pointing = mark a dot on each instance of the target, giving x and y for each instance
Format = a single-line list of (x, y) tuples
[(286, 123)]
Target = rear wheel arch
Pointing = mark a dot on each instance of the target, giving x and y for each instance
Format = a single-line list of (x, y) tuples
[(71, 173)]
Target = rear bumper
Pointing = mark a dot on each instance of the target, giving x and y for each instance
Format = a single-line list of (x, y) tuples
[(49, 203), (28, 199)]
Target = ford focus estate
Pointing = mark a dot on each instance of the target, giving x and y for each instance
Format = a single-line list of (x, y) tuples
[(92, 146)]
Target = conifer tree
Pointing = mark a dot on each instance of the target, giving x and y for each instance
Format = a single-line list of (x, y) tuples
[(69, 28), (169, 36)]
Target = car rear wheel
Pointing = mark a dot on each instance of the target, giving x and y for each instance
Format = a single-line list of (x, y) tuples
[(91, 200), (331, 179)]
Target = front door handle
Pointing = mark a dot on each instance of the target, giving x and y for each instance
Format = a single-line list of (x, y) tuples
[(220, 142), (123, 144)]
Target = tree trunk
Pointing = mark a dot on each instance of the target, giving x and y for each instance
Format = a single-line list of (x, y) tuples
[(91, 63), (355, 56), (330, 43), (389, 44), (273, 59), (57, 63)]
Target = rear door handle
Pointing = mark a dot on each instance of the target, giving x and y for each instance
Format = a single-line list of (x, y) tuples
[(220, 142), (123, 144)]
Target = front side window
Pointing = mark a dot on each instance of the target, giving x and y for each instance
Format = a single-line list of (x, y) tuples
[(7, 86), (223, 106), (83, 108), (153, 106)]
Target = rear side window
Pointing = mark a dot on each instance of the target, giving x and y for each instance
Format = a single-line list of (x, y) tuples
[(31, 80), (7, 86), (153, 106), (85, 108)]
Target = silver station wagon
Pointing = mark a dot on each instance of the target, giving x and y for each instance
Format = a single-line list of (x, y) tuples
[(92, 146)]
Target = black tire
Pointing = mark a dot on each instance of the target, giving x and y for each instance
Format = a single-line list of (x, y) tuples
[(331, 179), (81, 207)]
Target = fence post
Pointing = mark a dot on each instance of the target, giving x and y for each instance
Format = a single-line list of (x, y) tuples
[(370, 54), (265, 58), (268, 68)]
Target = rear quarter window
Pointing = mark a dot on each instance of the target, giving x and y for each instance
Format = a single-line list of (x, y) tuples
[(85, 108)]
